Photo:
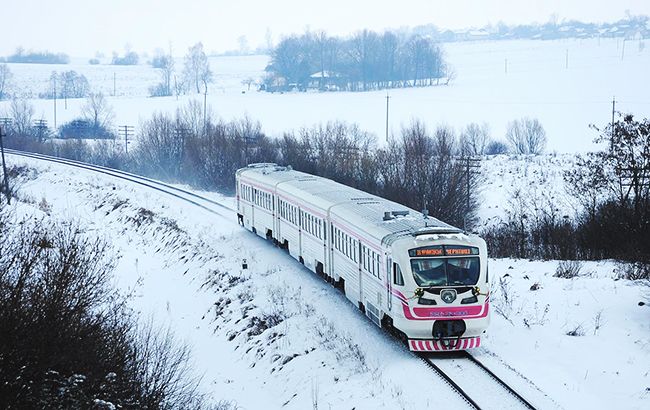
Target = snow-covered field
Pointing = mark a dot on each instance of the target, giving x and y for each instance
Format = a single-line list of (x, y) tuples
[(537, 84), (276, 336)]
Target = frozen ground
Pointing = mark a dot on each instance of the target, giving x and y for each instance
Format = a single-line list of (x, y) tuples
[(537, 84), (276, 336)]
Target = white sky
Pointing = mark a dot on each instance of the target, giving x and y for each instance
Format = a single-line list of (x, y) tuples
[(82, 27)]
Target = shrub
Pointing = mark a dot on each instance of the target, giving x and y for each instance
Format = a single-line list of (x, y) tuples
[(496, 148), (568, 269), (68, 340)]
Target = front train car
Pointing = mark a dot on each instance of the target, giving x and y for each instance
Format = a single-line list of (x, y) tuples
[(440, 282)]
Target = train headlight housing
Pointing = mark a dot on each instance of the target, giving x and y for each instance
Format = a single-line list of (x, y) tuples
[(448, 295), (419, 292)]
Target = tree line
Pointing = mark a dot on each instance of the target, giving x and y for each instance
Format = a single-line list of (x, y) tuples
[(613, 188), (366, 61), (420, 168)]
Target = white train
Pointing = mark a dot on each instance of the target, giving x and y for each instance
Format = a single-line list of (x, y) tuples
[(420, 278)]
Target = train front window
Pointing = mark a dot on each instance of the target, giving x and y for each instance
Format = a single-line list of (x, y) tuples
[(445, 271)]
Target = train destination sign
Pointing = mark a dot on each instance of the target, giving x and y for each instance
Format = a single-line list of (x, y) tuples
[(443, 250)]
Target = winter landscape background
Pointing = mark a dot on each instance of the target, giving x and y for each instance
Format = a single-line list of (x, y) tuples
[(570, 334)]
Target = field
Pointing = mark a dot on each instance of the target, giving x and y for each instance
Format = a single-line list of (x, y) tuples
[(537, 84)]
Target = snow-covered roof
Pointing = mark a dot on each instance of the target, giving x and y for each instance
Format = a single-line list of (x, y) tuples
[(325, 74)]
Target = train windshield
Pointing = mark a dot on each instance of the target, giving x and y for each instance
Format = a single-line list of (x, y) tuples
[(445, 271)]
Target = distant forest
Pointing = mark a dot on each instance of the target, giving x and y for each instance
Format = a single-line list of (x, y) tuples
[(365, 61), (37, 57)]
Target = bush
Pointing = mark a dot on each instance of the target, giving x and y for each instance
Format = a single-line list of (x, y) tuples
[(633, 271), (496, 148), (93, 61), (129, 58), (568, 269), (83, 129), (67, 340)]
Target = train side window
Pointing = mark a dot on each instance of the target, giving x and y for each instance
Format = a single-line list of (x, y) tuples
[(398, 279)]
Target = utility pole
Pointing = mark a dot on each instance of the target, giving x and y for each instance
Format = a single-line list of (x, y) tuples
[(471, 165), (54, 79), (41, 126), (127, 131), (4, 167), (613, 126), (205, 108), (180, 133), (387, 98), (623, 51), (566, 64)]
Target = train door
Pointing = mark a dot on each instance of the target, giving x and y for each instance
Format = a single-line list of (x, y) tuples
[(360, 247), (330, 248), (276, 217), (300, 226), (389, 283)]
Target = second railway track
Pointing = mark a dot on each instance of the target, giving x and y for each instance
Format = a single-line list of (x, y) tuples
[(207, 204)]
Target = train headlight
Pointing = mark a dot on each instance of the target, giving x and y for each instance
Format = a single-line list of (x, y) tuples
[(448, 295), (419, 292)]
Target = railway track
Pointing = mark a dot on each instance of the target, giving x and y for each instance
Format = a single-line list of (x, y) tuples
[(479, 387), (207, 204), (476, 384)]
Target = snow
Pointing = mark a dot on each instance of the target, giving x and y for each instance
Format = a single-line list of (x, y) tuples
[(277, 336), (537, 84)]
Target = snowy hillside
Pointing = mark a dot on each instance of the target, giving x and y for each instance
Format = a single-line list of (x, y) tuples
[(276, 336), (535, 182), (566, 84)]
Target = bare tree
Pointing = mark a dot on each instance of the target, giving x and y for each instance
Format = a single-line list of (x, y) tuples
[(248, 81), (5, 78), (526, 136), (474, 139), (197, 69), (98, 111), (22, 114)]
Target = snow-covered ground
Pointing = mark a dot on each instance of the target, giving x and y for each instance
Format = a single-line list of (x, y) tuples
[(537, 84), (528, 183), (276, 336)]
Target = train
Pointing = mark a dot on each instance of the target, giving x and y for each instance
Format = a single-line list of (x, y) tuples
[(419, 278)]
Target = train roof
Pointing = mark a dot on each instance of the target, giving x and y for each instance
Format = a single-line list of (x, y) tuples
[(383, 219)]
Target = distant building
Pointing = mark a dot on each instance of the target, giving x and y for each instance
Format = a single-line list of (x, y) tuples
[(326, 81)]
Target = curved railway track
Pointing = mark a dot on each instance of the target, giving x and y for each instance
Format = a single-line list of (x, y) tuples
[(207, 204), (462, 372), (455, 369)]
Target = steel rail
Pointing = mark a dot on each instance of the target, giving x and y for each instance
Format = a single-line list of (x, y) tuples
[(144, 181)]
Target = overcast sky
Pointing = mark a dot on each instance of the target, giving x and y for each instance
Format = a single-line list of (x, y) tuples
[(83, 27)]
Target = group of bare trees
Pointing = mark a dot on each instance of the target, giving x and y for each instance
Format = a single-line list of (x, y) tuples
[(196, 73), (613, 187), (67, 339), (67, 84), (96, 121), (366, 61), (526, 136)]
